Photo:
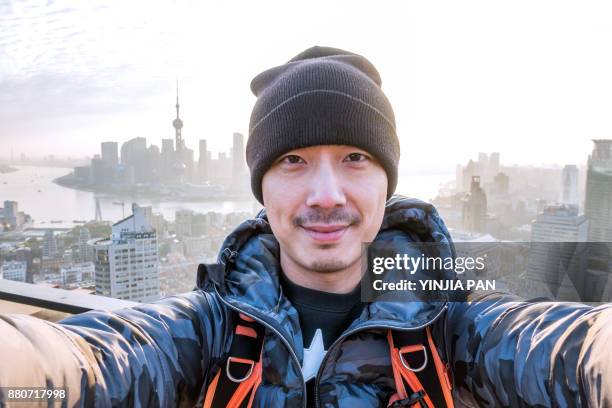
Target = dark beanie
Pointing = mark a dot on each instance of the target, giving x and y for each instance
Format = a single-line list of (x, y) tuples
[(322, 96)]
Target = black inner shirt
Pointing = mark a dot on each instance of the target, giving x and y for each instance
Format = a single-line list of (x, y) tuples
[(323, 317)]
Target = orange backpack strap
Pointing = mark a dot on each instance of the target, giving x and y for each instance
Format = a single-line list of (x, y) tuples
[(421, 377), (235, 384)]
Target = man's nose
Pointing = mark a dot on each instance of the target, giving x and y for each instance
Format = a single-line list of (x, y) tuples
[(326, 190)]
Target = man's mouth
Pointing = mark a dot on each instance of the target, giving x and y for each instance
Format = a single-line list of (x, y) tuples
[(326, 233)]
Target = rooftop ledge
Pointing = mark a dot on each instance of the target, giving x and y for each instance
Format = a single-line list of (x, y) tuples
[(59, 300)]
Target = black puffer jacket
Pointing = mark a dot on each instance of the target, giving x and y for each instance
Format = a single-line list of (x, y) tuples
[(503, 351)]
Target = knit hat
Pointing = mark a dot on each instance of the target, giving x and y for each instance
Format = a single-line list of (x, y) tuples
[(322, 96)]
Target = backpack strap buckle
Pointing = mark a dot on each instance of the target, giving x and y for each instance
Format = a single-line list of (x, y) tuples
[(415, 398), (413, 349), (238, 360), (237, 384)]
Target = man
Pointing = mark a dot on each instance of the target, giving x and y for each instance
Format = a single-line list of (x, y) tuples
[(323, 155)]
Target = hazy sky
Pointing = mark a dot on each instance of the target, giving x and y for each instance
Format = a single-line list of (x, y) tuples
[(531, 79)]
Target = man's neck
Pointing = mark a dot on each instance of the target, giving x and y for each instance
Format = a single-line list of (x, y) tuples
[(340, 281)]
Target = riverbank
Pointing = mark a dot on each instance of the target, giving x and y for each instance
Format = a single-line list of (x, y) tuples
[(176, 192), (4, 169)]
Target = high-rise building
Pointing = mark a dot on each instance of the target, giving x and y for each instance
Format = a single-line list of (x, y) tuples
[(183, 223), (238, 163), (468, 173), (167, 160), (203, 162), (569, 185), (483, 167), (110, 153), (102, 172), (82, 273), (188, 164), (598, 200), (220, 169), (127, 264), (501, 184), (159, 224), (132, 151), (85, 250), (459, 178), (154, 163), (494, 165), (560, 223), (598, 210), (11, 213), (14, 270), (50, 249), (557, 263), (134, 155), (167, 147), (486, 167), (475, 208)]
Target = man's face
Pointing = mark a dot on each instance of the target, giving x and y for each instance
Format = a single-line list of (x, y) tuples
[(322, 203)]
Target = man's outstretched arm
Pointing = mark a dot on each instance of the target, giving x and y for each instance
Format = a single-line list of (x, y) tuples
[(506, 352), (149, 355)]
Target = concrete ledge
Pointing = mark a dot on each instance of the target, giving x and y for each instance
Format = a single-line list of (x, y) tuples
[(60, 300)]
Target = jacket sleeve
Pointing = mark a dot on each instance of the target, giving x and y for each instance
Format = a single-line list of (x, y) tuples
[(151, 355), (507, 352)]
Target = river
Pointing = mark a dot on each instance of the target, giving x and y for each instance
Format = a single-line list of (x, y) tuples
[(33, 188)]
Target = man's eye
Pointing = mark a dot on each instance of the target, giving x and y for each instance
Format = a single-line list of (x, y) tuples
[(356, 157), (292, 159)]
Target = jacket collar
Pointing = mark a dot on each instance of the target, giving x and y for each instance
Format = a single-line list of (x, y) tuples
[(251, 275)]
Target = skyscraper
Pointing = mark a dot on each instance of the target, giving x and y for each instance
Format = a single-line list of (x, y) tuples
[(475, 208), (569, 184), (127, 265), (85, 250), (483, 167), (560, 223), (203, 161), (102, 172), (134, 155), (238, 163), (50, 249), (557, 264), (110, 153), (598, 200), (220, 169), (493, 164), (11, 213), (167, 147), (468, 173), (501, 184), (183, 223), (167, 159), (154, 163)]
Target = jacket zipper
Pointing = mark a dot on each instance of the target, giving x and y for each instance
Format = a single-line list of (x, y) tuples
[(279, 334), (363, 328)]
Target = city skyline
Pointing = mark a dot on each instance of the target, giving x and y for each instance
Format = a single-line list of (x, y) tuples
[(145, 255), (527, 93)]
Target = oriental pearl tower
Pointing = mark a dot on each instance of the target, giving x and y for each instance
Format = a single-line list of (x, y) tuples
[(180, 165), (178, 126)]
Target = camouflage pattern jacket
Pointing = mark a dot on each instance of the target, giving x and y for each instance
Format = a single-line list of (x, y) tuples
[(504, 352)]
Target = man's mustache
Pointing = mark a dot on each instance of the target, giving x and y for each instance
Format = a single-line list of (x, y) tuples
[(337, 215)]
